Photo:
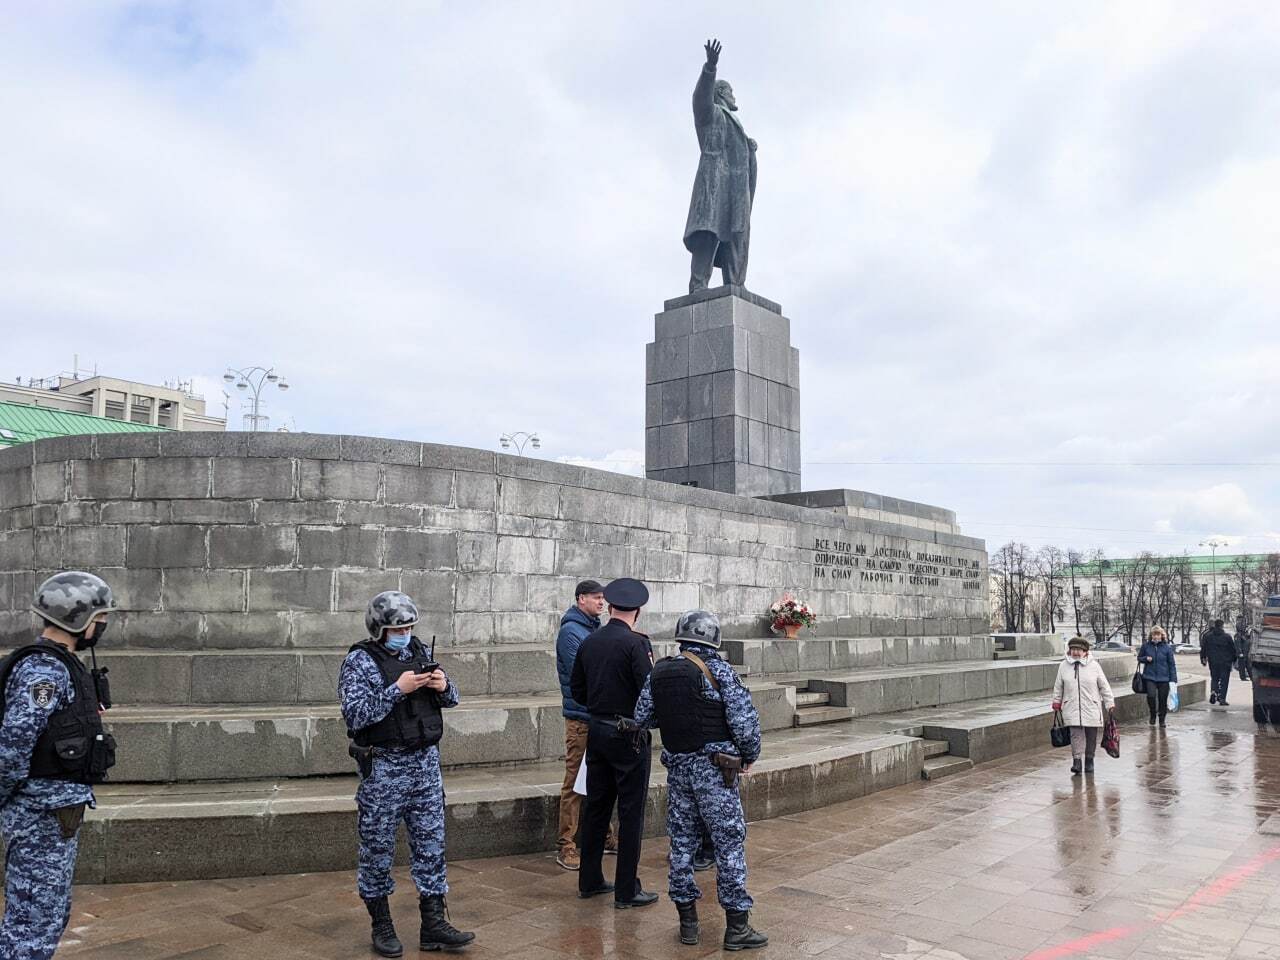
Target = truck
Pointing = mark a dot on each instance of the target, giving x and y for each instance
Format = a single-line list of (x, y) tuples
[(1264, 663)]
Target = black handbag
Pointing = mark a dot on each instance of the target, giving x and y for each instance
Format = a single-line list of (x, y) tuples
[(1139, 683), (1059, 733)]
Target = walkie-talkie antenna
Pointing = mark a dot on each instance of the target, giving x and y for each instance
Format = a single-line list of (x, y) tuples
[(432, 658)]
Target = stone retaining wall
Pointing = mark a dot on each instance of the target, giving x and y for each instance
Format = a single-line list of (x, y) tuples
[(234, 541)]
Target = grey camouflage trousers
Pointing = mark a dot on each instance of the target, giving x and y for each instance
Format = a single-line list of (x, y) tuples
[(37, 882), (696, 794), (403, 786)]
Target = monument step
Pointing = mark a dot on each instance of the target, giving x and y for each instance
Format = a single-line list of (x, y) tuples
[(812, 716), (166, 743), (985, 730), (217, 741), (898, 689), (310, 674), (935, 748), (935, 768), (1006, 655), (778, 655), (809, 698), (143, 832)]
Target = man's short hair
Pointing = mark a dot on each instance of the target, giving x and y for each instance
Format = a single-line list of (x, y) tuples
[(587, 587), (1217, 623)]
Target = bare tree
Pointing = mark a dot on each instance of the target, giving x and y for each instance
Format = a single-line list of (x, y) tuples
[(1011, 566), (1049, 565), (1267, 574), (1075, 560), (1132, 605), (1242, 574)]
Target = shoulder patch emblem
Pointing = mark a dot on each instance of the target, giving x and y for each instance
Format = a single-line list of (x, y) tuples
[(43, 693)]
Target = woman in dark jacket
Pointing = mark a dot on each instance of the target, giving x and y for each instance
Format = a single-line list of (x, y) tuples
[(1159, 669)]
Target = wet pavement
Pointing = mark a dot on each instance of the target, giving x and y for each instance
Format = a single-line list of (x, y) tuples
[(1171, 851)]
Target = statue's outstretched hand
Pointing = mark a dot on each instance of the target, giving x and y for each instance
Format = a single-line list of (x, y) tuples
[(713, 52)]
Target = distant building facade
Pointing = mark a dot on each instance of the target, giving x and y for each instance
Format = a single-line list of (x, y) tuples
[(174, 407)]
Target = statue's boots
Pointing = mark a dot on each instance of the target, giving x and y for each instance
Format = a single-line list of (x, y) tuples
[(385, 941), (688, 921), (738, 932), (437, 931)]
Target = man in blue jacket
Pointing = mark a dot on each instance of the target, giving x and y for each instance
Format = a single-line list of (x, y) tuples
[(578, 622)]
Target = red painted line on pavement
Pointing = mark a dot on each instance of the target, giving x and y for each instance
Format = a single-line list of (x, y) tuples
[(1210, 893), (1072, 947)]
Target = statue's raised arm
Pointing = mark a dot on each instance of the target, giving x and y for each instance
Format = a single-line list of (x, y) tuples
[(704, 93), (718, 230)]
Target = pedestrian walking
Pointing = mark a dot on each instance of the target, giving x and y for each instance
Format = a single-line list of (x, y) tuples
[(1084, 696), (1159, 670), (1218, 651), (52, 749), (392, 696), (710, 734), (1244, 644), (608, 674), (578, 622)]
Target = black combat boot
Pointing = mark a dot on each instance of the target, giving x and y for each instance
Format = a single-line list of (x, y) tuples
[(437, 931), (1075, 768), (385, 941), (739, 934), (688, 921), (1088, 765)]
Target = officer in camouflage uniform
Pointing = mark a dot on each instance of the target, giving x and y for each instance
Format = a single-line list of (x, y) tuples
[(704, 713), (392, 695), (52, 747)]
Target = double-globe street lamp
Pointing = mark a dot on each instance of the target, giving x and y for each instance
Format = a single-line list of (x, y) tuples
[(519, 439), (255, 378), (1213, 546)]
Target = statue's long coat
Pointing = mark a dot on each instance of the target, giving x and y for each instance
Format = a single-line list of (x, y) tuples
[(726, 180)]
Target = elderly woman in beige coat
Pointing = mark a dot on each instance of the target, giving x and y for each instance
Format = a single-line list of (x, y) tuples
[(1083, 695)]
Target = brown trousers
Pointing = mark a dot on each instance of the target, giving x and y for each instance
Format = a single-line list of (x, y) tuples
[(575, 748)]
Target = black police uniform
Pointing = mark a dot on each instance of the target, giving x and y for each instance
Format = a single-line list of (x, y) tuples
[(608, 674)]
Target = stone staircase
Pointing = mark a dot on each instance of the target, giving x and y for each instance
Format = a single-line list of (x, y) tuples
[(814, 707), (195, 715), (247, 747), (939, 763)]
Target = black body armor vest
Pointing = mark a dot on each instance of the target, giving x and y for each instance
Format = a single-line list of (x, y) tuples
[(688, 720), (415, 722), (74, 745)]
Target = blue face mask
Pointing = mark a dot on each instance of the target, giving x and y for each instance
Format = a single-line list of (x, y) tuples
[(398, 642)]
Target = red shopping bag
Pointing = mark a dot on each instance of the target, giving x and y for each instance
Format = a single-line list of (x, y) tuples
[(1111, 737)]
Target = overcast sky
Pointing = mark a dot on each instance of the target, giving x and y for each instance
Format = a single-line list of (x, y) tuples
[(1035, 232)]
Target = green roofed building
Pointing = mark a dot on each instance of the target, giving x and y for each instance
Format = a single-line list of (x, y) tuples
[(20, 423), (1205, 565)]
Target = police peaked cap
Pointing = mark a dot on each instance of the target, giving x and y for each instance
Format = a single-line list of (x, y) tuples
[(626, 594)]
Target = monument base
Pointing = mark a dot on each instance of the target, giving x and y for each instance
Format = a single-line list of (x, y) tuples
[(722, 402)]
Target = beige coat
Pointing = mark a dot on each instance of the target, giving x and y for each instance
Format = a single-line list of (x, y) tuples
[(1085, 698)]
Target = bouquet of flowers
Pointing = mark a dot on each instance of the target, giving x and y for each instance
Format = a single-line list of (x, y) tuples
[(790, 612)]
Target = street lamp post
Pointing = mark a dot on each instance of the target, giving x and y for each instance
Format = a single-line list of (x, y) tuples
[(519, 439), (255, 378), (1213, 546)]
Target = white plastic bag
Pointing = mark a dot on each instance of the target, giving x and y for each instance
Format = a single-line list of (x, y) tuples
[(1174, 702), (580, 784)]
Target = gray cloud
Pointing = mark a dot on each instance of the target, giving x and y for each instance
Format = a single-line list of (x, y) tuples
[(1004, 232)]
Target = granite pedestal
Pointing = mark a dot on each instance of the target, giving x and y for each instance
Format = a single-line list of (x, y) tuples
[(722, 395)]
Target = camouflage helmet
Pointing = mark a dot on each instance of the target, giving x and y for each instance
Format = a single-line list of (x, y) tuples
[(391, 608), (699, 626), (70, 600)]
